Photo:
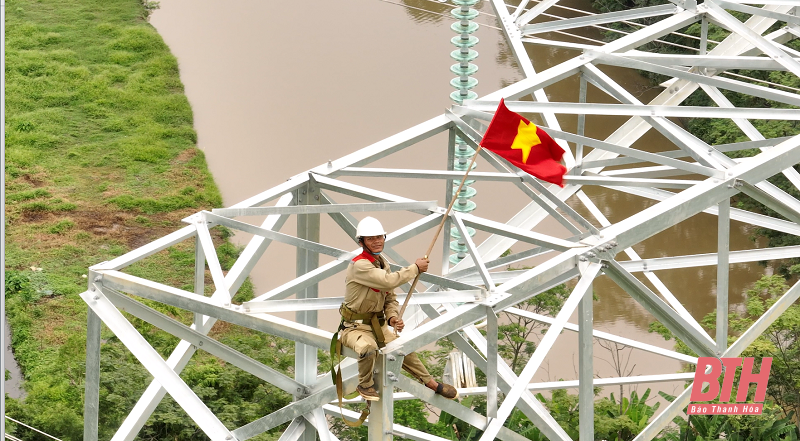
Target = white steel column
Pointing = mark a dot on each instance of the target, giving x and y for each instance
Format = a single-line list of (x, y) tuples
[(386, 375), (491, 363), (723, 268), (199, 276), (91, 403), (581, 121), (306, 356), (536, 360), (585, 362)]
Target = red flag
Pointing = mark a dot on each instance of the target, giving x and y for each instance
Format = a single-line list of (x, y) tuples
[(523, 144)]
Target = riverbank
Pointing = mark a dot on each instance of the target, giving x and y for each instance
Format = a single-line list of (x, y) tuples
[(101, 158)]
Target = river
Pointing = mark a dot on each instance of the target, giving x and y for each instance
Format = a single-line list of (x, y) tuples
[(280, 87)]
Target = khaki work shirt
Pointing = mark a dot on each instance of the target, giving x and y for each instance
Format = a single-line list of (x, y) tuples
[(370, 288)]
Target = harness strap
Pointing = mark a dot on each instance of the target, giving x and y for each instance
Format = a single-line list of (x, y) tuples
[(336, 375), (378, 331)]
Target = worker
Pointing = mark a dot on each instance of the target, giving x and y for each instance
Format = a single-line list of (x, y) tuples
[(370, 307)]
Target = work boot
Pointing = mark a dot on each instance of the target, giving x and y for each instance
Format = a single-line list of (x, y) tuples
[(369, 393), (447, 391)]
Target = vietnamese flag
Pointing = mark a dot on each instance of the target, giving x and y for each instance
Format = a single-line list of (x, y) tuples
[(523, 144)]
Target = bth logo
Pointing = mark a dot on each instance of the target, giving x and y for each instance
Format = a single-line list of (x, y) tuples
[(724, 392)]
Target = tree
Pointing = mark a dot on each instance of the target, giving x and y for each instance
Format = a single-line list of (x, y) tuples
[(515, 344)]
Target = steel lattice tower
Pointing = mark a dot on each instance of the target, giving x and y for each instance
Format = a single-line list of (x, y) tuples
[(478, 288)]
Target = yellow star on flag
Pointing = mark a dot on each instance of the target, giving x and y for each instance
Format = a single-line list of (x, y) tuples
[(525, 139)]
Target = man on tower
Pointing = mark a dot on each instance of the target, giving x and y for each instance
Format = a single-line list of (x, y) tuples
[(370, 307)]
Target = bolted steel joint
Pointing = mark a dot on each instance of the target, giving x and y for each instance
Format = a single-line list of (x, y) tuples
[(391, 357)]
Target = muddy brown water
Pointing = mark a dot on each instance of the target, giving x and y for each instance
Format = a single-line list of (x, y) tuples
[(280, 87)]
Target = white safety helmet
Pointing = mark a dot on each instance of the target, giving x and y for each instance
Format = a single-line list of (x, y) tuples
[(369, 226)]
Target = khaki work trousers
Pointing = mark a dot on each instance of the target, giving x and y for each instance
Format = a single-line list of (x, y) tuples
[(362, 340)]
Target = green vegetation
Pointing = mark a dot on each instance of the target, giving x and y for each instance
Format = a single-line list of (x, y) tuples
[(101, 159)]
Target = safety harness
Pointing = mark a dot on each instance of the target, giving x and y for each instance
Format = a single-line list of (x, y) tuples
[(376, 321)]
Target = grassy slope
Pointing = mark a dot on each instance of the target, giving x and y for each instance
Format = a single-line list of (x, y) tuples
[(100, 160)]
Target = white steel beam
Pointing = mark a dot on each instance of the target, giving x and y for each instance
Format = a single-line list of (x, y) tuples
[(386, 147), (473, 251), (210, 252), (278, 237), (498, 228), (765, 2), (608, 181), (184, 351), (200, 340), (535, 12), (633, 255), (591, 20), (710, 259), (696, 199), (716, 62), (304, 281), (729, 22), (723, 273), (456, 409), (210, 307), (768, 200), (723, 83), (158, 368), (418, 298), (736, 213), (607, 336), (511, 398), (749, 129), (737, 6), (427, 174), (652, 32), (683, 139), (291, 411), (294, 431), (636, 110), (329, 208), (696, 339), (147, 250), (528, 404)]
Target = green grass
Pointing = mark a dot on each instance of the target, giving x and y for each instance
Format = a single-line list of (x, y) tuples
[(101, 158)]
